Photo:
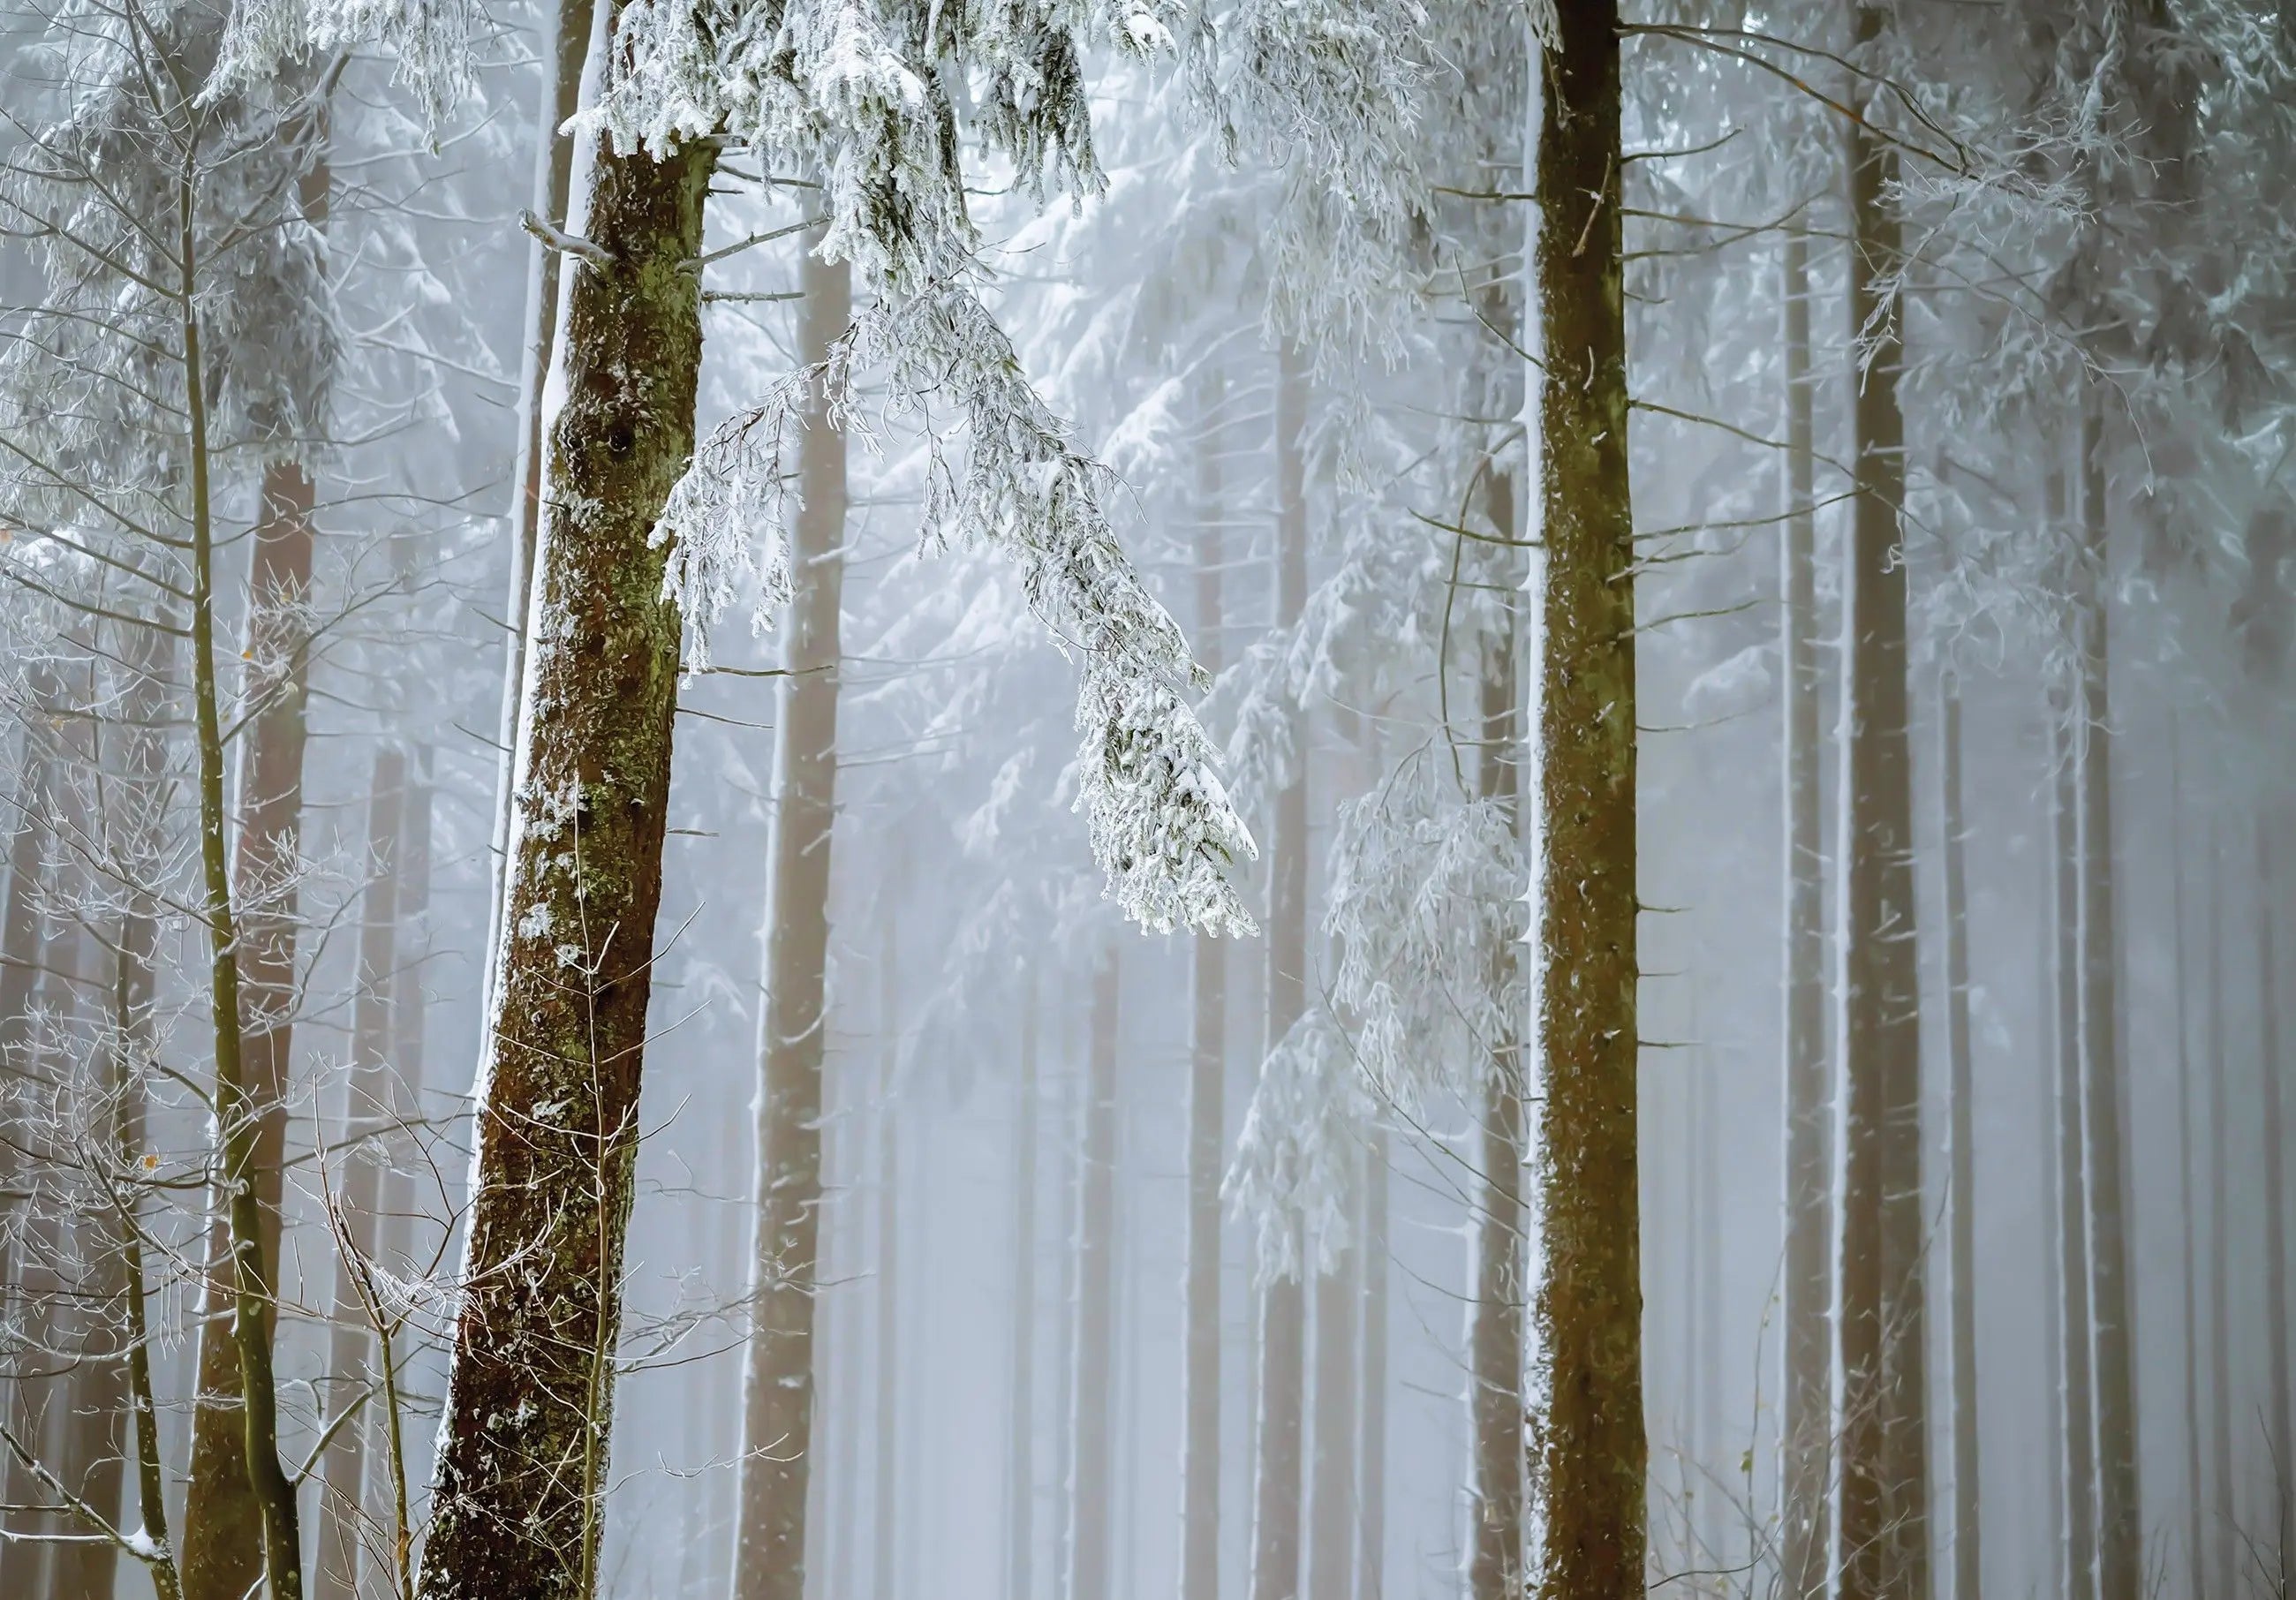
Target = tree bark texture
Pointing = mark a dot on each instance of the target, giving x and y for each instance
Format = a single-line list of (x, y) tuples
[(1589, 1449), (523, 1462), (1884, 1519), (1967, 1499), (1805, 1425), (1277, 1485), (1091, 1464), (777, 1395), (356, 1173)]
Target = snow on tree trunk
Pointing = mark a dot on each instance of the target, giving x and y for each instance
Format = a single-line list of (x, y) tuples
[(2121, 1532), (1020, 1441), (1589, 1454), (1806, 1425), (1282, 1320), (1495, 1568), (1967, 1532), (2072, 1175), (521, 1468), (356, 1171), (1884, 1524), (223, 1513), (1200, 1377), (1091, 1466), (778, 1388)]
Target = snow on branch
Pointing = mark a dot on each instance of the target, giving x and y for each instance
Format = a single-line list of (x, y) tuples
[(1296, 1153)]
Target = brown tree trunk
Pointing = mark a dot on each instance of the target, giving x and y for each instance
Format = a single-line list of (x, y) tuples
[(521, 1464), (1805, 1425), (1588, 1451), (1967, 1501), (2121, 1532), (1884, 1515), (1020, 1441), (1495, 1570), (778, 1391), (1091, 1464), (1284, 1313), (356, 1173), (1200, 1377), (2072, 1177)]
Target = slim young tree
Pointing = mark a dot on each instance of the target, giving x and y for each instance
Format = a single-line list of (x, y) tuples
[(1588, 1451), (2072, 1171), (1967, 1499), (778, 1442)]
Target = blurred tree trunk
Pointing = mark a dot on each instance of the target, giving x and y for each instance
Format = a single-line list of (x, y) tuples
[(564, 49), (1371, 1558), (1095, 1395), (1967, 1501), (777, 1445), (1806, 1426), (2227, 1534), (2053, 1569), (2121, 1532), (2072, 1175), (1589, 1453), (1331, 1549), (2276, 1423), (1884, 1516), (885, 1496), (357, 1177), (1284, 1313), (1021, 1438), (1068, 1187), (1200, 1377), (403, 1244), (1495, 1562), (2187, 1197), (522, 1464)]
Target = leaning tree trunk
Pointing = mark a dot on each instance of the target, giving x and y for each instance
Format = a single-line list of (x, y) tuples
[(1091, 1464), (1020, 1441), (1199, 1376), (521, 1467), (1884, 1515), (778, 1445), (1588, 1451), (565, 48), (360, 1165), (2072, 1177), (1371, 1522), (1805, 1424), (2276, 1424), (1283, 1312), (2220, 1429), (2119, 1531), (1495, 1566), (1967, 1571)]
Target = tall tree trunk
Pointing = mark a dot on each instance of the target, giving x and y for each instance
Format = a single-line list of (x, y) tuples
[(1021, 1442), (1332, 1544), (2053, 1569), (2121, 1532), (1805, 1425), (1069, 1189), (2228, 1535), (1967, 1532), (885, 1494), (1284, 1311), (360, 1165), (1884, 1516), (2072, 1177), (522, 1464), (1371, 1522), (777, 1446), (1199, 1376), (2187, 1198), (2276, 1423), (564, 49), (1095, 1369), (401, 1243), (1495, 1411), (237, 1479), (1590, 1454)]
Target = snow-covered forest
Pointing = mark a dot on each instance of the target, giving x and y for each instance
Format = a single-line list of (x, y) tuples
[(1147, 799)]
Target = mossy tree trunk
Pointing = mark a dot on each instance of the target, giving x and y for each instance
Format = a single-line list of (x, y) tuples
[(521, 1472), (1588, 1451)]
